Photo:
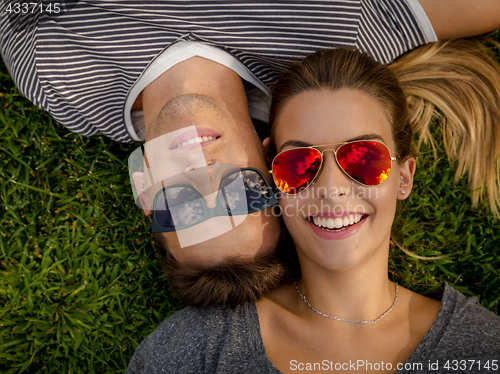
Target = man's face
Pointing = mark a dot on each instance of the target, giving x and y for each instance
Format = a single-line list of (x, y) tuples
[(201, 131)]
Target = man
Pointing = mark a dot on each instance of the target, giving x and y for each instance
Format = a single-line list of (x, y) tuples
[(97, 65)]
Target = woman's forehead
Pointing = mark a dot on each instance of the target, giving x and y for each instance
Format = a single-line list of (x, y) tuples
[(326, 117)]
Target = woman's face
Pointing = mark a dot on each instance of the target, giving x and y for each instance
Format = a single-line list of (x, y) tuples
[(325, 117)]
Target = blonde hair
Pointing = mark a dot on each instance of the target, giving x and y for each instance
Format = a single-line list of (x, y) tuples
[(460, 79)]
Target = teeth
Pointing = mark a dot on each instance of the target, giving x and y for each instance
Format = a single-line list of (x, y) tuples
[(198, 139), (337, 223)]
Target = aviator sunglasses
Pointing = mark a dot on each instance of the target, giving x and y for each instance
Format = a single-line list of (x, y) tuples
[(180, 206), (364, 161)]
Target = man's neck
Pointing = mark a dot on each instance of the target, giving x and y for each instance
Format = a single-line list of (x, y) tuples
[(195, 75)]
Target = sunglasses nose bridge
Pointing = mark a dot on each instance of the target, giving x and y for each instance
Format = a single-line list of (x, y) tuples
[(331, 161), (331, 175)]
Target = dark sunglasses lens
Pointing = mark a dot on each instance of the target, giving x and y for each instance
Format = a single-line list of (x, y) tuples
[(367, 162), (233, 194), (254, 195), (256, 189), (178, 207), (295, 169)]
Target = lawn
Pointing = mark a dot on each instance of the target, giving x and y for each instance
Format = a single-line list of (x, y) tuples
[(80, 282)]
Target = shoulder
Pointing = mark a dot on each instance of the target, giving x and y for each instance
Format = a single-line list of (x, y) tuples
[(464, 328), (467, 309), (190, 340)]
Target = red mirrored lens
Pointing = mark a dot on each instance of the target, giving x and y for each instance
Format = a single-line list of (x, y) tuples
[(295, 169), (367, 162)]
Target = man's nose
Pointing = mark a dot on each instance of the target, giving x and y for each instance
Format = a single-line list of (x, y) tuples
[(211, 199)]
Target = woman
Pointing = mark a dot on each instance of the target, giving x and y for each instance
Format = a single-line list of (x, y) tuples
[(338, 202), (339, 312)]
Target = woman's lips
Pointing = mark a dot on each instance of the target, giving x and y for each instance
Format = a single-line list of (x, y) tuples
[(336, 234), (192, 138)]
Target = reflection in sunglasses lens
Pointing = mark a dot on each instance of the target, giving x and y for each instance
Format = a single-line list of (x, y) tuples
[(295, 169), (178, 207), (238, 201), (256, 190), (366, 162), (234, 198)]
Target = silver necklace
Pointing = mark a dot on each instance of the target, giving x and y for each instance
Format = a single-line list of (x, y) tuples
[(346, 319)]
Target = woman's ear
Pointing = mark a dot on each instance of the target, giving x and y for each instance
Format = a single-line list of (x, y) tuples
[(140, 187), (406, 173)]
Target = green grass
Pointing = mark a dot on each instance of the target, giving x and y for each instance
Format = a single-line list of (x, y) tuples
[(80, 284)]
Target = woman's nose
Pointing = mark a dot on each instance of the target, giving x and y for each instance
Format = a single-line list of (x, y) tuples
[(332, 181)]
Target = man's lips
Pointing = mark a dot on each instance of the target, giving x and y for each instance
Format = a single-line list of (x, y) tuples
[(199, 132)]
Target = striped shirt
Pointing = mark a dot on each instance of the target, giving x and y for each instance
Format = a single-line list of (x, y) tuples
[(80, 64)]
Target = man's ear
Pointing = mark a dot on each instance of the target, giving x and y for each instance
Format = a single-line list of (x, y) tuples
[(140, 187), (266, 143), (406, 173)]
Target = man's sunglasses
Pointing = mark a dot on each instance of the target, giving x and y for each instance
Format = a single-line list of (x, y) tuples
[(366, 162), (180, 206)]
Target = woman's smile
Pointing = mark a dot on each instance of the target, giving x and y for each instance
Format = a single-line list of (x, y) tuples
[(332, 227)]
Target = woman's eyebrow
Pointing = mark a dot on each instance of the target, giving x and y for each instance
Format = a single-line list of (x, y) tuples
[(367, 137), (294, 143), (299, 143)]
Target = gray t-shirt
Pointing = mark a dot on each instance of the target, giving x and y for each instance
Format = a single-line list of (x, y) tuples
[(464, 338)]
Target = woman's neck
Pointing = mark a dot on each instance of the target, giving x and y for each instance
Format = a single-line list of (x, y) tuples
[(363, 293)]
